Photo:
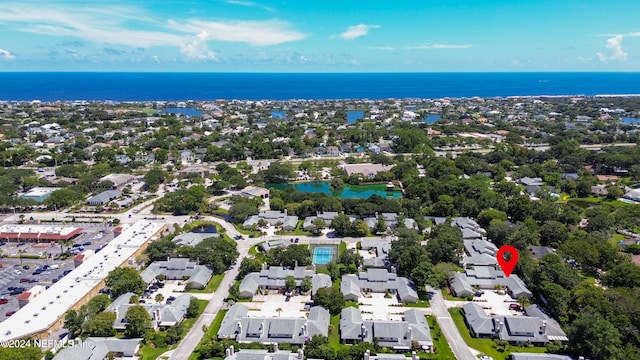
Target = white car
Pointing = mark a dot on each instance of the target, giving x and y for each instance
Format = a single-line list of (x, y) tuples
[(17, 272)]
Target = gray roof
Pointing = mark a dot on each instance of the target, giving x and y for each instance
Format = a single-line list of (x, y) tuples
[(377, 280), (237, 325), (487, 277), (192, 239), (460, 285), (161, 314), (98, 348), (531, 356), (259, 354), (393, 334), (104, 197), (536, 327), (177, 269), (272, 217), (274, 278)]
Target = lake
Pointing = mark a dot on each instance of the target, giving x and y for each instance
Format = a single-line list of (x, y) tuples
[(431, 118), (187, 111), (348, 192), (630, 120), (354, 115), (278, 114)]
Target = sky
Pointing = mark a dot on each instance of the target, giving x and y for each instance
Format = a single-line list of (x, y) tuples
[(320, 36)]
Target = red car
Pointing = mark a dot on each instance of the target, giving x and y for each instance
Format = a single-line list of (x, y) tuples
[(24, 280), (3, 301), (9, 313)]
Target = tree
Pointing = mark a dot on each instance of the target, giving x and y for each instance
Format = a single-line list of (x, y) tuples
[(381, 225), (422, 273), (249, 265), (485, 217), (359, 228), (100, 325), (306, 284), (193, 309), (289, 283), (594, 337), (330, 298), (241, 210), (73, 322), (291, 256), (318, 224), (553, 233), (123, 280), (445, 244), (341, 224), (442, 272), (279, 310), (159, 298), (278, 173), (160, 250), (138, 321)]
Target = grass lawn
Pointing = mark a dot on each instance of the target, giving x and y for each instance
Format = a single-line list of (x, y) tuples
[(211, 286), (487, 346), (616, 238), (254, 249), (334, 333), (419, 304), (342, 248), (440, 344), (448, 296), (147, 353)]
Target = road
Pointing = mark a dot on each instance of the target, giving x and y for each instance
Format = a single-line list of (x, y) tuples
[(448, 327), (193, 337)]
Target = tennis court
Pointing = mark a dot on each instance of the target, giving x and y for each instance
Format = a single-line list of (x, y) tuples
[(322, 255)]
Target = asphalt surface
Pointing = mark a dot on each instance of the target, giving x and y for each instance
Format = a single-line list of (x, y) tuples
[(448, 327)]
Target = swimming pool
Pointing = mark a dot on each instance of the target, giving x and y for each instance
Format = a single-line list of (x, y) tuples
[(322, 255)]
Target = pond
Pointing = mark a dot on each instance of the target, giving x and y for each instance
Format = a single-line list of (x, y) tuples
[(278, 114), (630, 120), (206, 229), (354, 115), (431, 118), (348, 192), (188, 111)]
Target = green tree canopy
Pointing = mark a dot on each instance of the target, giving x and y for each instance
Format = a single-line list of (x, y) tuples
[(123, 280)]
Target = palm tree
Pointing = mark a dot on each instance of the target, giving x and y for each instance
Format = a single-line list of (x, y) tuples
[(66, 243), (279, 310), (20, 252), (45, 254)]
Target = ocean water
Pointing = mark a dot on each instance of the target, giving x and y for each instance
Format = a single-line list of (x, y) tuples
[(285, 86)]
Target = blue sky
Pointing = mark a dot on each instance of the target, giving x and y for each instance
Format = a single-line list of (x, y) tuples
[(319, 36)]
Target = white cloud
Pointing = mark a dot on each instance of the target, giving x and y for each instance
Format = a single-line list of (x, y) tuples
[(616, 53), (254, 33), (5, 54), (250, 4), (356, 31), (439, 46), (384, 48), (198, 49)]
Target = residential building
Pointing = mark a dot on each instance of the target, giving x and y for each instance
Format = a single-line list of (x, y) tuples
[(178, 269), (391, 220), (326, 216), (533, 356), (98, 348), (237, 325), (368, 170), (377, 281), (535, 328), (259, 354), (396, 335), (379, 248), (254, 191), (162, 315), (119, 180), (192, 238), (274, 277), (274, 218)]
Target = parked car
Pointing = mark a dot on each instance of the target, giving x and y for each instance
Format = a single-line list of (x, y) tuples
[(17, 272), (24, 280), (514, 306), (3, 301), (86, 243), (33, 280), (9, 313), (26, 267)]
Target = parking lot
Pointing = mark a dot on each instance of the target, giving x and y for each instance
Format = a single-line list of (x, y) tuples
[(22, 273)]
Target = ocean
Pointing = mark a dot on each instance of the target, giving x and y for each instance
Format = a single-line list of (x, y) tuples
[(53, 86)]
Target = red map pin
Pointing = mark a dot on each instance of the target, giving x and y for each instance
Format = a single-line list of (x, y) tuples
[(507, 265)]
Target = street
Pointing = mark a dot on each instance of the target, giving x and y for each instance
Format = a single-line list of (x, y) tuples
[(448, 327)]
